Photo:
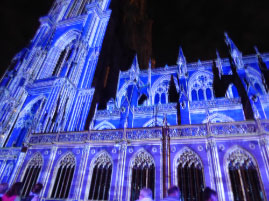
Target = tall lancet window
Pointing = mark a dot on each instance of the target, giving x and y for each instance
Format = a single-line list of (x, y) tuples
[(101, 178), (244, 177), (201, 87), (64, 177), (64, 56), (143, 174), (59, 63), (31, 174), (189, 175), (82, 9)]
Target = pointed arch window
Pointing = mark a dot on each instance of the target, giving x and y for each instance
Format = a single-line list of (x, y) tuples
[(190, 176), (208, 94), (160, 91), (157, 98), (65, 55), (201, 84), (194, 95), (163, 98), (31, 174), (82, 8), (143, 174), (101, 178), (59, 63), (72, 9), (244, 177), (64, 177), (201, 94)]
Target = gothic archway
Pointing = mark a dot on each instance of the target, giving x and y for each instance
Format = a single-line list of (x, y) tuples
[(26, 121), (104, 125), (243, 176), (63, 177), (160, 89), (189, 174), (217, 118), (200, 86), (142, 174), (101, 169), (31, 173)]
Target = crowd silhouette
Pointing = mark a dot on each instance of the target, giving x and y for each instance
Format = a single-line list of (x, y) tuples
[(14, 192), (173, 194)]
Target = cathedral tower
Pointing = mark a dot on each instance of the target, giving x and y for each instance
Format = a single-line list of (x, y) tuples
[(49, 88)]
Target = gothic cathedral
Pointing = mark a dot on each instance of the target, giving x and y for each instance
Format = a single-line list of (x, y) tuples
[(192, 124)]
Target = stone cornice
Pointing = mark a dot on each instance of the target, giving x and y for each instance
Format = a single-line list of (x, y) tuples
[(202, 131)]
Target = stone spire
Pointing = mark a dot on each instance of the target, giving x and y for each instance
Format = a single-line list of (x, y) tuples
[(182, 64), (219, 64), (234, 51), (134, 71)]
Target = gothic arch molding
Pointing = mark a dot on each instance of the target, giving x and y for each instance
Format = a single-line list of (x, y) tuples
[(104, 125), (104, 157), (143, 154), (218, 117), (157, 84), (203, 80), (68, 157), (37, 157), (178, 156), (66, 38), (55, 53), (141, 157), (238, 155), (27, 110), (32, 173), (100, 153), (255, 78), (122, 92), (189, 174), (150, 123)]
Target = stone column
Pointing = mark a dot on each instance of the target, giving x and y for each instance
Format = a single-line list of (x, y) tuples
[(166, 160), (81, 171), (47, 172), (120, 168), (264, 145), (212, 153), (17, 168)]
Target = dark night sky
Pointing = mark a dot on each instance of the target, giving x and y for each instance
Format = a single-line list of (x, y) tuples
[(197, 26)]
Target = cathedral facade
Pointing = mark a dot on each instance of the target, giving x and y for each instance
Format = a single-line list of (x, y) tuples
[(192, 124)]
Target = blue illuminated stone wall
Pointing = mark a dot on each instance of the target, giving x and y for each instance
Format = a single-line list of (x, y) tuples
[(46, 95)]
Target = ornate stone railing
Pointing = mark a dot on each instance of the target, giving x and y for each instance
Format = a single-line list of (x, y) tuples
[(9, 153), (162, 108), (219, 102), (144, 133), (188, 131), (235, 128), (244, 128), (107, 113)]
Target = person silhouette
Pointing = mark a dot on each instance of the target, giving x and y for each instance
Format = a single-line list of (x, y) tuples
[(145, 194), (173, 194), (210, 195)]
